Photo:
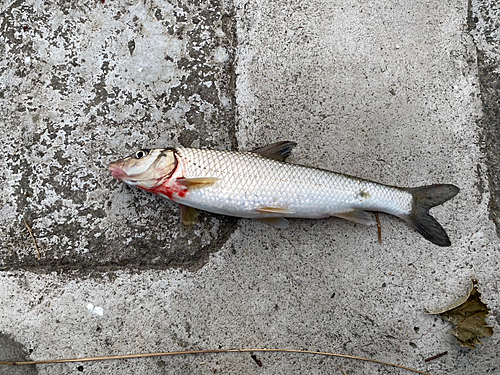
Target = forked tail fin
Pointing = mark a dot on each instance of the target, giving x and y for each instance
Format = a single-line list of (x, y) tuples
[(424, 198)]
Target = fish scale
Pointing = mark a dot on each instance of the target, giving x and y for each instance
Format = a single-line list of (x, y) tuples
[(259, 184), (249, 181)]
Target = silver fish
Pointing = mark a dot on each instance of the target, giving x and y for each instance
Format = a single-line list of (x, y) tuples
[(260, 184)]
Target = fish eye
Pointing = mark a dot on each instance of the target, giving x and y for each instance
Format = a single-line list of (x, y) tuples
[(140, 154)]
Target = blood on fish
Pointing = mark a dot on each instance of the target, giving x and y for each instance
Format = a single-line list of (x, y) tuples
[(171, 191)]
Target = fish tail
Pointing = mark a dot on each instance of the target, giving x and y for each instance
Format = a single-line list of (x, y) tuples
[(424, 198)]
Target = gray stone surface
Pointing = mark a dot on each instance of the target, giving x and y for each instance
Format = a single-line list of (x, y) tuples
[(85, 84), (397, 92), (10, 350), (484, 26)]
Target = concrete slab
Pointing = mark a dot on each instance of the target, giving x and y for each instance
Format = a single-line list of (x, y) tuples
[(387, 91), (85, 84)]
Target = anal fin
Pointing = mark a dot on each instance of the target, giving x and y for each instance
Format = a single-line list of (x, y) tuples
[(360, 217), (277, 222)]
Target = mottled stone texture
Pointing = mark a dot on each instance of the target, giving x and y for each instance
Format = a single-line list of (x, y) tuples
[(388, 90), (83, 84), (11, 350), (484, 25)]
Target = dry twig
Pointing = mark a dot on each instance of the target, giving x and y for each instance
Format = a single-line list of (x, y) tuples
[(435, 357), (379, 227), (144, 355), (34, 241)]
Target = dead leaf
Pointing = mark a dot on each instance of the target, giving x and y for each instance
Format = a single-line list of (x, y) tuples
[(468, 315)]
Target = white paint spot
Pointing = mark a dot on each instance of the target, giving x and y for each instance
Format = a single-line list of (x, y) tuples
[(27, 60), (98, 310)]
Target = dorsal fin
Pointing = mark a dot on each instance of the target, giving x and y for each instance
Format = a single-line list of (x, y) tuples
[(277, 151)]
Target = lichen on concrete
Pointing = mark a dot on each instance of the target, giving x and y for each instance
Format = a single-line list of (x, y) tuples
[(84, 84)]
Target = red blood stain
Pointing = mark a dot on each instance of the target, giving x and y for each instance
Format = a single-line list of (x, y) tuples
[(170, 189)]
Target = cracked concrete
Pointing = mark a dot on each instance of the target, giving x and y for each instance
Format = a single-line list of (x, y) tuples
[(404, 93)]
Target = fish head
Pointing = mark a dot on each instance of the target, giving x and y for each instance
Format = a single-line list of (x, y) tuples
[(146, 169)]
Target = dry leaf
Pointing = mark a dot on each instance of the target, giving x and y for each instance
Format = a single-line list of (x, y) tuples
[(468, 315)]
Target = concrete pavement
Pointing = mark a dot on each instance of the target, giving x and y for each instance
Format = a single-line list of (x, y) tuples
[(401, 93)]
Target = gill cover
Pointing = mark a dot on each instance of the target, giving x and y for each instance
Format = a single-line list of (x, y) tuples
[(146, 168)]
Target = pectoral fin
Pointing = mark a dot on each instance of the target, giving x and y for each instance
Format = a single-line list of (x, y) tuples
[(360, 217), (277, 222), (278, 151), (274, 210), (197, 183)]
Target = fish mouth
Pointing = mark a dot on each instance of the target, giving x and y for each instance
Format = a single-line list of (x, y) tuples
[(118, 173), (116, 169)]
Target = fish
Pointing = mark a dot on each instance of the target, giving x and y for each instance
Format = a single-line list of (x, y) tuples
[(260, 184)]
